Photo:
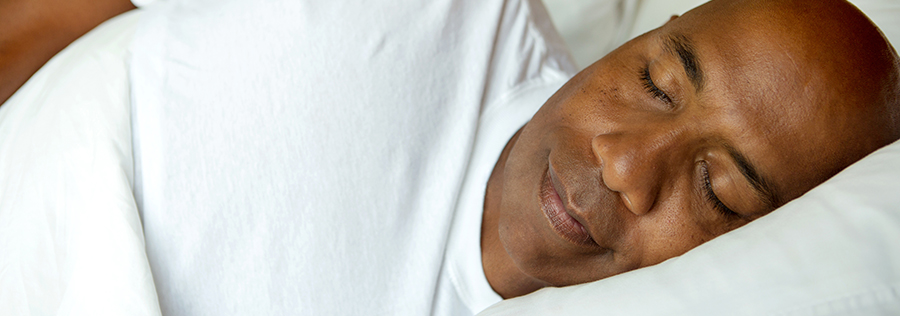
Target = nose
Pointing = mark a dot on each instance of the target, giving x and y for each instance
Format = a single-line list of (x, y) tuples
[(634, 164)]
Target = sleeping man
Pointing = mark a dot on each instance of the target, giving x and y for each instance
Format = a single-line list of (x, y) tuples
[(389, 158), (687, 132)]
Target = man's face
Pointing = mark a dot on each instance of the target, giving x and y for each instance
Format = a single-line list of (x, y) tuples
[(678, 136)]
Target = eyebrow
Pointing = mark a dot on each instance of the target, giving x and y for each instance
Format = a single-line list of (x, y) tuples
[(679, 45), (762, 186)]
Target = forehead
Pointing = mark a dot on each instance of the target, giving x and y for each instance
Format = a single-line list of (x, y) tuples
[(763, 93)]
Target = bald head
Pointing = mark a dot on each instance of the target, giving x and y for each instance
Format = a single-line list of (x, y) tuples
[(849, 63), (857, 67), (686, 132), (819, 71)]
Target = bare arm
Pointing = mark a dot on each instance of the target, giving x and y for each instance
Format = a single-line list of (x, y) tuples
[(32, 31)]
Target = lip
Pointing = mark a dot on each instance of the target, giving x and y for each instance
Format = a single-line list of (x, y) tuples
[(558, 216)]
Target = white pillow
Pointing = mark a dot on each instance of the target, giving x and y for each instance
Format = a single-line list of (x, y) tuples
[(592, 29), (70, 237), (834, 251)]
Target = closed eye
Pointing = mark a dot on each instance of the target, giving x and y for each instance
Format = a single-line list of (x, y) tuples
[(651, 88), (711, 195)]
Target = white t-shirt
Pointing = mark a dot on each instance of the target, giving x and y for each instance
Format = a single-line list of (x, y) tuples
[(329, 157)]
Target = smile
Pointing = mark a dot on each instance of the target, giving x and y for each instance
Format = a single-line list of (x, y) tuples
[(562, 223)]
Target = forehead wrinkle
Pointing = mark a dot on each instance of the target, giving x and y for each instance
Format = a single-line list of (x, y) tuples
[(682, 47)]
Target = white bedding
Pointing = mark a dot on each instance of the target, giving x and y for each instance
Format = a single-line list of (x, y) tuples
[(301, 155), (70, 238), (79, 249)]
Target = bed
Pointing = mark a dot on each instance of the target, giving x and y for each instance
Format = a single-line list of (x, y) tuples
[(66, 157), (834, 251)]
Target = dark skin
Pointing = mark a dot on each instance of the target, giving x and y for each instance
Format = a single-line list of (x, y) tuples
[(32, 31), (685, 133), (679, 136)]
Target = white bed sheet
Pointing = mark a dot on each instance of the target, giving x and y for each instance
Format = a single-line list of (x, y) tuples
[(85, 255), (70, 238)]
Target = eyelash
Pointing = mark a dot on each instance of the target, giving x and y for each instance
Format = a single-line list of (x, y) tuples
[(711, 196), (652, 88)]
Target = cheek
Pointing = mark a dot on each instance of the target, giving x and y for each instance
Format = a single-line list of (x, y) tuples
[(521, 219), (592, 100), (674, 229), (538, 253)]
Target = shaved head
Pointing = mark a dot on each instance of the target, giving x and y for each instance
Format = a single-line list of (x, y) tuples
[(684, 133), (815, 61), (830, 55)]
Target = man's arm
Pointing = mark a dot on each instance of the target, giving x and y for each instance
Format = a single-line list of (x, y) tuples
[(32, 31)]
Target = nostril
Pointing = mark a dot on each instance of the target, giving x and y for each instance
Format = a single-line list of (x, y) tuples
[(634, 165)]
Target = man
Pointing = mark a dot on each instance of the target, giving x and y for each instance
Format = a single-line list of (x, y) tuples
[(685, 133), (280, 170)]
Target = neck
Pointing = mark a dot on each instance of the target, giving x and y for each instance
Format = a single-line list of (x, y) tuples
[(501, 271)]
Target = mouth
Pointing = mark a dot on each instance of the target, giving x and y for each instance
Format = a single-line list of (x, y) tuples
[(561, 220)]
